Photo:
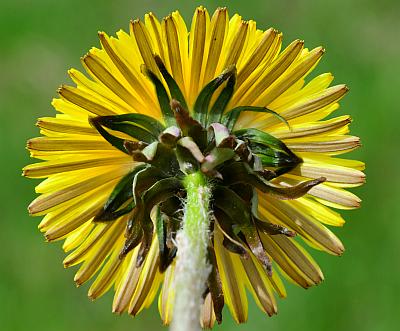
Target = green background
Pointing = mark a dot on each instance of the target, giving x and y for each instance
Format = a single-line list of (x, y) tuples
[(40, 40)]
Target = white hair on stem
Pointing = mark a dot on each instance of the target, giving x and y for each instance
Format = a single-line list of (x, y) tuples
[(192, 268)]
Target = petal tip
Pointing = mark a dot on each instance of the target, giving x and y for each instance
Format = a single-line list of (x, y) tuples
[(32, 208)]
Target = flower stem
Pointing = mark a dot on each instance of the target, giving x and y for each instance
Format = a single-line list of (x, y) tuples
[(192, 268)]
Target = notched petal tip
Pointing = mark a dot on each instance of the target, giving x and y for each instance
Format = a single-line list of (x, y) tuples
[(91, 295), (117, 311), (60, 89), (150, 14), (78, 281), (168, 18), (342, 88), (200, 10), (32, 208), (347, 120), (29, 144), (340, 251)]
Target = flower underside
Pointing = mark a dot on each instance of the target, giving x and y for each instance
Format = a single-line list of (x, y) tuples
[(237, 163), (220, 100)]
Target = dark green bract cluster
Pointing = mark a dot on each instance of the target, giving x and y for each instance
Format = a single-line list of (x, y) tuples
[(237, 163)]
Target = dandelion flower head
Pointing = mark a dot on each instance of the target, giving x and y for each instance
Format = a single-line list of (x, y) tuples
[(219, 96)]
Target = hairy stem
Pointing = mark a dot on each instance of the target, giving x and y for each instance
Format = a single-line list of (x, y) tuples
[(192, 268)]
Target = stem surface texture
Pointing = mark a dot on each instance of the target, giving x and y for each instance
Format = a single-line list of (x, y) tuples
[(192, 268)]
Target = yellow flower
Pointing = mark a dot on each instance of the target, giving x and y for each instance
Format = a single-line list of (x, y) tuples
[(126, 123)]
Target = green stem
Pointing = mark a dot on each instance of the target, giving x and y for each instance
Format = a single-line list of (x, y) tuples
[(192, 268)]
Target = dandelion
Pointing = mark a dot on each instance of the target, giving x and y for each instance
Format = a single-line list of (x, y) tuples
[(200, 162)]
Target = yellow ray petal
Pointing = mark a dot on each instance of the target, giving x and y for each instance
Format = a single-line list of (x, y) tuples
[(316, 85), (98, 253), (260, 285), (335, 126), (49, 200), (254, 38), (336, 197), (183, 39), (127, 282), (63, 126), (230, 270), (277, 284), (331, 145), (79, 254), (287, 96), (247, 82), (144, 43), (333, 173), (214, 43), (284, 213), (69, 144), (106, 277), (326, 194), (320, 212), (310, 104), (77, 237), (59, 181), (94, 90), (135, 81), (147, 276), (152, 292), (86, 101), (235, 42), (292, 260), (207, 315), (258, 56), (167, 296), (107, 77), (154, 29), (198, 33), (126, 46), (60, 223), (74, 162), (270, 75), (299, 69), (177, 46), (69, 110), (316, 158)]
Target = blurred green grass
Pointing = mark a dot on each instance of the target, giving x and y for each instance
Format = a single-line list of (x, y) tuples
[(40, 40)]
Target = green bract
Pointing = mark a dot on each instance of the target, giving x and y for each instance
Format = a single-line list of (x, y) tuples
[(237, 163)]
